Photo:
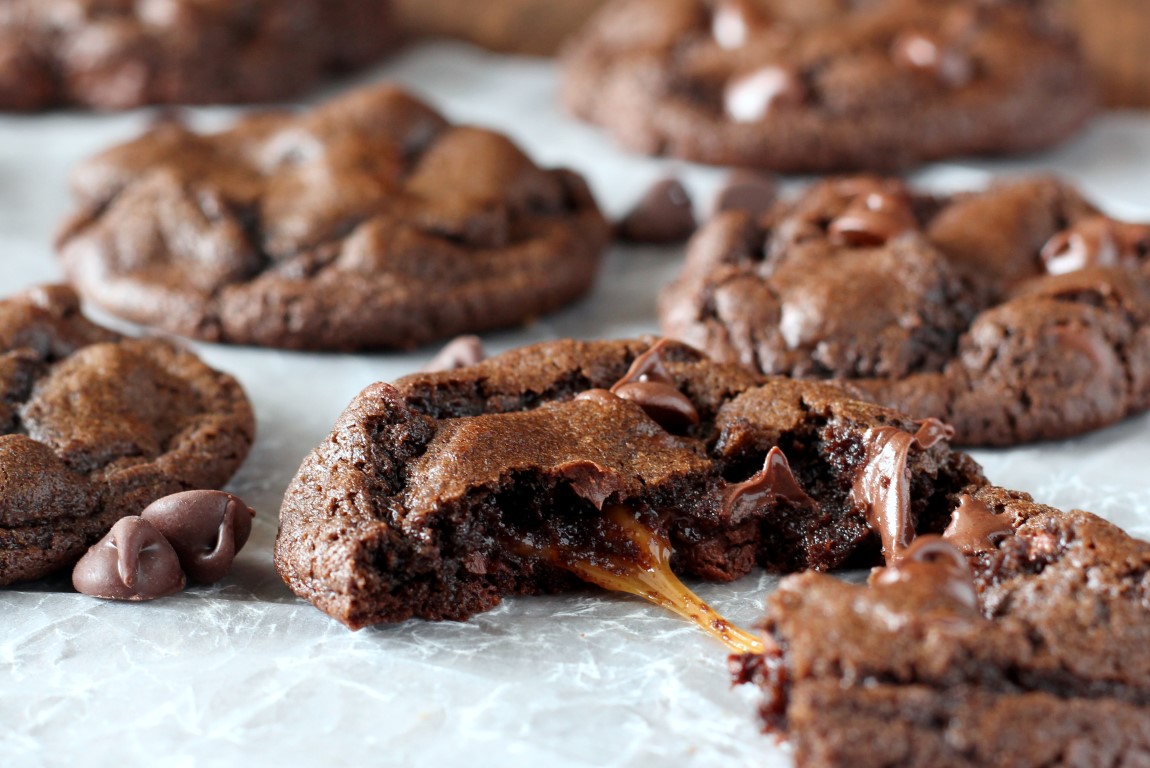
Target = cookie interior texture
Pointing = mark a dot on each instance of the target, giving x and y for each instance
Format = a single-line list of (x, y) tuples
[(1051, 666), (944, 308), (420, 500), (798, 86), (368, 222), (119, 54), (95, 426)]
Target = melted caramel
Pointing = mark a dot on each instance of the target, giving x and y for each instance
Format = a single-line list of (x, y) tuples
[(644, 571)]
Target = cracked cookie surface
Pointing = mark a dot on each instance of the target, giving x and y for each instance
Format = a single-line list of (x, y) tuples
[(797, 86), (95, 426), (369, 222), (1018, 313)]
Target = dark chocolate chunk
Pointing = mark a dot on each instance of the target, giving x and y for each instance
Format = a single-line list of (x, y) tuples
[(460, 352), (206, 528), (663, 215), (132, 562)]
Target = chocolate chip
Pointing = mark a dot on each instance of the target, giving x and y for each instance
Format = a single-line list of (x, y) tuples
[(872, 219), (974, 527), (751, 96), (753, 193), (206, 529), (460, 352), (918, 51), (932, 558), (664, 214), (132, 562), (1096, 241), (665, 404), (733, 22)]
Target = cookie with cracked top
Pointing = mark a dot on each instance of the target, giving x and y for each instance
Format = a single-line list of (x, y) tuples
[(1032, 649), (799, 86), (368, 222), (440, 494), (117, 54), (95, 426), (1017, 313)]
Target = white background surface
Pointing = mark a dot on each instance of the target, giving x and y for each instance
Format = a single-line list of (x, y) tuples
[(244, 670)]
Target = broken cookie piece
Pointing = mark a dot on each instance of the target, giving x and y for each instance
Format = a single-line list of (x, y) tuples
[(1032, 649), (441, 494)]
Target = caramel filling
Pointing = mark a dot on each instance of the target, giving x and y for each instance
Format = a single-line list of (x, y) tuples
[(642, 567)]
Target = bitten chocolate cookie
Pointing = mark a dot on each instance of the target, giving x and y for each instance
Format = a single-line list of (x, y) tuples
[(369, 222), (1032, 649), (95, 426), (438, 495), (1018, 313), (116, 54), (799, 86)]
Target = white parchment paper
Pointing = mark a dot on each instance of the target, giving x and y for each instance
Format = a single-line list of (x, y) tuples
[(244, 671)]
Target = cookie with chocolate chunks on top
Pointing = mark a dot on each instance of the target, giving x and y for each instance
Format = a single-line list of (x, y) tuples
[(438, 495), (367, 222), (800, 87), (1032, 649), (1016, 313), (94, 426)]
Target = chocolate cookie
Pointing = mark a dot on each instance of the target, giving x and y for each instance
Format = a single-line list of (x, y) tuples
[(438, 495), (517, 26), (95, 426), (369, 222), (116, 54), (1016, 314), (1032, 649), (799, 86)]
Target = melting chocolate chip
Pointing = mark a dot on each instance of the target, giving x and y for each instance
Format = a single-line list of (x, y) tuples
[(206, 529), (931, 432), (931, 558), (460, 352), (872, 219), (1096, 241), (636, 559), (922, 52), (734, 21), (751, 96), (648, 384), (975, 528), (773, 482), (882, 489), (663, 215), (753, 193), (665, 404), (132, 562)]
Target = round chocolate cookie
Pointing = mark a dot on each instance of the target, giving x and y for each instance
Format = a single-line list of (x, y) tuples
[(116, 54), (1016, 314), (440, 494), (800, 86), (95, 426), (369, 222)]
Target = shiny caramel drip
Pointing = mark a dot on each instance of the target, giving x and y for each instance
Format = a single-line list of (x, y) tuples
[(774, 481), (646, 573), (974, 527)]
